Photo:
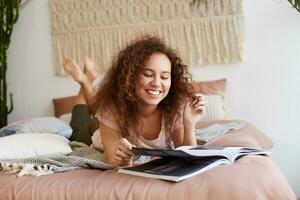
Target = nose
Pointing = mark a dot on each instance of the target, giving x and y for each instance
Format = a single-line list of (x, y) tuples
[(155, 81)]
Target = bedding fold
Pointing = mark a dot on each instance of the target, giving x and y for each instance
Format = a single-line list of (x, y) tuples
[(251, 177)]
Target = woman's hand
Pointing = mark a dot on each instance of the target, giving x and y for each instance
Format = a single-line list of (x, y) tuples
[(123, 150), (194, 109)]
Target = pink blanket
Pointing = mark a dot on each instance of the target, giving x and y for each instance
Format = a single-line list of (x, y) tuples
[(251, 177)]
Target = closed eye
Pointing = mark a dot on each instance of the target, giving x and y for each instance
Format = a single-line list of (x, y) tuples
[(165, 77), (147, 75)]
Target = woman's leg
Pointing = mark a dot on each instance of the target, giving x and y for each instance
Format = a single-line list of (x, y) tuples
[(80, 123), (81, 117), (89, 69), (84, 79), (91, 74)]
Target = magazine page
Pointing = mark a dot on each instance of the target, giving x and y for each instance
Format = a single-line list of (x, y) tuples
[(231, 153), (251, 151), (228, 152), (190, 152)]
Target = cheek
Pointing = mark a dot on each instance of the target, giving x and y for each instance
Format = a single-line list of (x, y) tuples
[(168, 85), (139, 84)]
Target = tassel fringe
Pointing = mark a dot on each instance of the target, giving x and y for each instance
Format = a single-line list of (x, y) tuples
[(209, 33)]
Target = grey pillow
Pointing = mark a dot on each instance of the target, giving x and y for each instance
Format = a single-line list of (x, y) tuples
[(38, 125)]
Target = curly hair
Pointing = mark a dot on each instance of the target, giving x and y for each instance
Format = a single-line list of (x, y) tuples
[(117, 89)]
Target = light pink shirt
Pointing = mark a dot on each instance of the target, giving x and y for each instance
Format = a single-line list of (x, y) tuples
[(109, 120)]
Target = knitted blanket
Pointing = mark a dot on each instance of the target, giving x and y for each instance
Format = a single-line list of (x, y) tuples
[(82, 156)]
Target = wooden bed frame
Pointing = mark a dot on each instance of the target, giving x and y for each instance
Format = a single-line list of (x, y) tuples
[(63, 105)]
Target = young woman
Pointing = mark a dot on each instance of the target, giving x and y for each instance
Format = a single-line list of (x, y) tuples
[(144, 101)]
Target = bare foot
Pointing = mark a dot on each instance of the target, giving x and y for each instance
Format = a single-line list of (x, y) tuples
[(74, 70), (89, 69)]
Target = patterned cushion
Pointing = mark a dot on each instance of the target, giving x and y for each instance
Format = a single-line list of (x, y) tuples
[(214, 92), (214, 108)]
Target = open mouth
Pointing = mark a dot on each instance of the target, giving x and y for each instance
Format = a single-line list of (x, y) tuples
[(154, 93)]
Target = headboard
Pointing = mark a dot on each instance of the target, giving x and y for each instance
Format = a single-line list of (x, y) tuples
[(63, 105)]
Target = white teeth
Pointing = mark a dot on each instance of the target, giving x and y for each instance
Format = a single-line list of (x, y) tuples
[(153, 92)]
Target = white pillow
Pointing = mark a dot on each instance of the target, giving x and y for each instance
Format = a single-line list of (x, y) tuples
[(32, 145), (214, 108), (38, 125), (66, 117)]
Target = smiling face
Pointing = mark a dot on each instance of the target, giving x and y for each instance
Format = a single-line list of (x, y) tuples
[(154, 80)]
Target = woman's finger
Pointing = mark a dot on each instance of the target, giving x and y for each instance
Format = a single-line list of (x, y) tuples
[(199, 108), (118, 158), (126, 146), (124, 142), (197, 98), (125, 150), (198, 95), (121, 154), (199, 103), (121, 158)]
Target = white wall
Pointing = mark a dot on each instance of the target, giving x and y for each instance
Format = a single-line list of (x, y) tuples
[(263, 90)]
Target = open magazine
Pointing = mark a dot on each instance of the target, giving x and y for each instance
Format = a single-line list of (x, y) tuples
[(186, 161)]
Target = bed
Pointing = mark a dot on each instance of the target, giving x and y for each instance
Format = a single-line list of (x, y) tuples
[(251, 177)]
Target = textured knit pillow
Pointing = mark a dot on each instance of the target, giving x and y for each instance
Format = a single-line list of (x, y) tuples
[(214, 108), (38, 125), (214, 92)]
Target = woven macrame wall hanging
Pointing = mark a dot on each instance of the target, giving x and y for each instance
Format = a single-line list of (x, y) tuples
[(209, 33)]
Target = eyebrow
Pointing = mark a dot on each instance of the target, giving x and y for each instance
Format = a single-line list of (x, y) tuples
[(163, 72)]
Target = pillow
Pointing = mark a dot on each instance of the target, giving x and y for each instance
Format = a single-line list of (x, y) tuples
[(66, 117), (38, 125), (217, 87), (32, 145), (214, 108), (214, 92)]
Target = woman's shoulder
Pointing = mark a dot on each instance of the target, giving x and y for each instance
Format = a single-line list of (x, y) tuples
[(108, 117), (109, 110)]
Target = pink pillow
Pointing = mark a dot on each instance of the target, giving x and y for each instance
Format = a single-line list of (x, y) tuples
[(215, 87)]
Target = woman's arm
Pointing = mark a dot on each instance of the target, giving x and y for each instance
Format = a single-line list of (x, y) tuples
[(184, 136), (193, 110), (116, 148)]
